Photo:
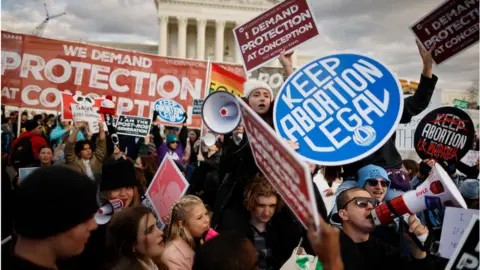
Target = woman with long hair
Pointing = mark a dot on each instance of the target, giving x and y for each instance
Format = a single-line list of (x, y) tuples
[(189, 220), (134, 240), (148, 166)]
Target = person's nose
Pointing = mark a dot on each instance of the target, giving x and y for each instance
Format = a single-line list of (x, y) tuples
[(370, 206)]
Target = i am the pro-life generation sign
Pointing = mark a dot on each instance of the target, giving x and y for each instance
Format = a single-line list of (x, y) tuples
[(339, 108)]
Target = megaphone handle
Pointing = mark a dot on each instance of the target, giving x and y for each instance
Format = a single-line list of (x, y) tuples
[(403, 224)]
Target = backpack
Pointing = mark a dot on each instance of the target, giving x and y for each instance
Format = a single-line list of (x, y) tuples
[(22, 153)]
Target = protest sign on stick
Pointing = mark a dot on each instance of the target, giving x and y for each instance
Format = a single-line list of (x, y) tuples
[(133, 126), (339, 108), (280, 164), (466, 254), (453, 228), (24, 172), (444, 134), (452, 27), (168, 185), (281, 28)]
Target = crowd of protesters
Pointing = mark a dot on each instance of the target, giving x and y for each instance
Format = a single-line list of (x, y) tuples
[(230, 218)]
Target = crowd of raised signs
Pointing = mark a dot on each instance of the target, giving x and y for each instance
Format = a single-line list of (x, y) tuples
[(230, 218)]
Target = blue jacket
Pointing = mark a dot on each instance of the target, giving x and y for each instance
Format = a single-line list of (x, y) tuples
[(58, 132)]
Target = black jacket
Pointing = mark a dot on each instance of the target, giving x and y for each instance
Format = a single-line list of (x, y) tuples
[(206, 178), (375, 254), (387, 156)]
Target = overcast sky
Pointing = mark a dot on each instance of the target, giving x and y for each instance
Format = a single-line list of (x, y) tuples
[(379, 28)]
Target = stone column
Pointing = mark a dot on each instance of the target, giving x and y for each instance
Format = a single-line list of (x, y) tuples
[(219, 38), (201, 26), (163, 42), (182, 36), (238, 54)]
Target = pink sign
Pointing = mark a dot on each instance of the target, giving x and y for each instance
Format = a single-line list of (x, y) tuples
[(280, 164), (168, 185), (452, 27), (283, 27)]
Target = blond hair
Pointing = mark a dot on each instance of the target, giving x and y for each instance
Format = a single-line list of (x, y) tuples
[(259, 187), (180, 213)]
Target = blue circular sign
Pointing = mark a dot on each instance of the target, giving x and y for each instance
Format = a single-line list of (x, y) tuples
[(169, 111), (339, 108)]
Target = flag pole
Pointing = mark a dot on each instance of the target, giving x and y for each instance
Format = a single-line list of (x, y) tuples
[(207, 87)]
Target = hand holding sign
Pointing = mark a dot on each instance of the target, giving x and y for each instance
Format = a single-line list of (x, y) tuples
[(427, 59), (80, 124), (287, 63)]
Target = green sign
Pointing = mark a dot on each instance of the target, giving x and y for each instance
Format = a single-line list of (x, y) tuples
[(457, 103)]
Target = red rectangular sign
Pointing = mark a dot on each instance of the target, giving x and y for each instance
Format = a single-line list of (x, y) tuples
[(452, 27), (283, 27), (168, 186), (35, 71), (280, 164)]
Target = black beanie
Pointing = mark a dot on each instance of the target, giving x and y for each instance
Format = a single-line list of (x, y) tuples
[(31, 125), (118, 174), (52, 200)]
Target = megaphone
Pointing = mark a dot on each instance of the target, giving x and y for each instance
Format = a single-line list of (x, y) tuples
[(209, 139), (437, 189), (221, 112), (104, 214)]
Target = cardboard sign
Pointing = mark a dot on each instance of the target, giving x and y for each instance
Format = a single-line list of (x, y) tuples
[(167, 187), (466, 254), (37, 70), (281, 28), (24, 172), (280, 164), (453, 228), (444, 134), (339, 108), (452, 27), (69, 100), (133, 126)]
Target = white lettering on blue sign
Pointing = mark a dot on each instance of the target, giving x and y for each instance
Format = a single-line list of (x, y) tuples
[(339, 108), (169, 111)]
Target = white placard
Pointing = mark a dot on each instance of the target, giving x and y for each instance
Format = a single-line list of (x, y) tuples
[(454, 224)]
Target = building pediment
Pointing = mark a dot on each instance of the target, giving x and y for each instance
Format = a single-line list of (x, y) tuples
[(235, 4)]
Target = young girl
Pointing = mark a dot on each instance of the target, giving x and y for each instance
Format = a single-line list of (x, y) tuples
[(133, 239), (189, 220)]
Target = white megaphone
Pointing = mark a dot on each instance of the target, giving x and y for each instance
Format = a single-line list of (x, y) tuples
[(221, 112), (209, 139), (437, 189), (104, 214)]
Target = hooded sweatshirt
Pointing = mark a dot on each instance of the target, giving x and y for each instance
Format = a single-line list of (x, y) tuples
[(36, 140)]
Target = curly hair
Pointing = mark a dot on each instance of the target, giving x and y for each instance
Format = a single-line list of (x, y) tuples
[(259, 187)]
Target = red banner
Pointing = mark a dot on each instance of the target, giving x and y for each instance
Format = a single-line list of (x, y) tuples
[(35, 71), (452, 27)]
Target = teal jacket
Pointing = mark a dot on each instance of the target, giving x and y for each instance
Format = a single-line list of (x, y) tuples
[(58, 132)]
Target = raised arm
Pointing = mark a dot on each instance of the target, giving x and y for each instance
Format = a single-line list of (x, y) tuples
[(101, 144)]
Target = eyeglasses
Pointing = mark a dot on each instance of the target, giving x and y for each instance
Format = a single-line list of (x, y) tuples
[(374, 182), (362, 202)]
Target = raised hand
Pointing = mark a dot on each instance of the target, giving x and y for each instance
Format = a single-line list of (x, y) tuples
[(427, 59), (287, 63)]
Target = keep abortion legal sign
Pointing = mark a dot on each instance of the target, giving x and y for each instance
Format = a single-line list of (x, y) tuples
[(339, 108)]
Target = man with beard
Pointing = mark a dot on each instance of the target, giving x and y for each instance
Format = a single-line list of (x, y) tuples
[(360, 250)]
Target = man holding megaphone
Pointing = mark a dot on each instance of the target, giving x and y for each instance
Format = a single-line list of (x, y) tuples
[(360, 250)]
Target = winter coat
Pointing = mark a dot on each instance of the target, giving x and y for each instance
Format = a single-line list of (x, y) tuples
[(77, 163), (176, 155), (387, 156), (178, 255), (207, 178)]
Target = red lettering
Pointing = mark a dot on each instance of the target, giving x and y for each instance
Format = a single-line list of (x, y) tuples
[(421, 192)]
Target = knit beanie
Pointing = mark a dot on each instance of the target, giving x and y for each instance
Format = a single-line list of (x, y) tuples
[(171, 138), (470, 189), (52, 200), (371, 172), (253, 84), (31, 125), (118, 174)]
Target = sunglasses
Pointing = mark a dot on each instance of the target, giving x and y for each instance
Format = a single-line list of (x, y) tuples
[(362, 202), (374, 182)]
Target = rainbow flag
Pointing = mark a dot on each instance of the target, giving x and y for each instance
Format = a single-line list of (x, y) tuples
[(224, 80)]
